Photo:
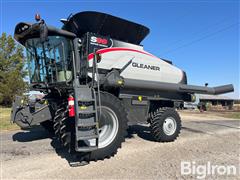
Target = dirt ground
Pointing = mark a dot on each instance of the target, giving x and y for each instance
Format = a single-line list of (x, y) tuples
[(205, 137)]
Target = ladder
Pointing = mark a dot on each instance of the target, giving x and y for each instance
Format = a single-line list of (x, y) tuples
[(86, 119), (86, 113)]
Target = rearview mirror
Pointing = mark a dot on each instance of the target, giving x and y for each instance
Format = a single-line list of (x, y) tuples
[(43, 31)]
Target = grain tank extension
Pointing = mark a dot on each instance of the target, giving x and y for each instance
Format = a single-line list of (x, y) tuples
[(97, 77)]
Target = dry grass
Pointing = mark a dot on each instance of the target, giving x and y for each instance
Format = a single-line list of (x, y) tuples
[(235, 115), (5, 123), (222, 113)]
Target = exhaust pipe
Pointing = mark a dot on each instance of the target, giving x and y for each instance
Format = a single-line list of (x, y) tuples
[(162, 86)]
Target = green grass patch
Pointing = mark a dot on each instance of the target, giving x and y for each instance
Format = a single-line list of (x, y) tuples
[(5, 123), (234, 115)]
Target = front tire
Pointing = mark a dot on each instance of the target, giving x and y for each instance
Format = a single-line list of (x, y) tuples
[(113, 107), (165, 124)]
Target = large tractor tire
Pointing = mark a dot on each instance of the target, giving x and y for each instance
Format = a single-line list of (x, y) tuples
[(165, 124), (112, 127), (62, 126)]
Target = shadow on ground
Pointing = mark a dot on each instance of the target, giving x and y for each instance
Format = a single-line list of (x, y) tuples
[(38, 133), (32, 134), (141, 131)]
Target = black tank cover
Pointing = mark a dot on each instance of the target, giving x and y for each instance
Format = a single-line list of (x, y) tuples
[(106, 25)]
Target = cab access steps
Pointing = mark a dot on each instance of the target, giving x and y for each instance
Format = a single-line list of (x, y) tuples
[(86, 119)]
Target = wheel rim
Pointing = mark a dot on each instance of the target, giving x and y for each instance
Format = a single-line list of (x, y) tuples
[(108, 127), (169, 126)]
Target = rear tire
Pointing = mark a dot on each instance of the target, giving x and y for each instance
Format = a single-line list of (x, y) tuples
[(110, 102), (165, 124)]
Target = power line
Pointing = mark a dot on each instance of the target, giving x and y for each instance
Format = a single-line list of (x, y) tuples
[(203, 31), (202, 38)]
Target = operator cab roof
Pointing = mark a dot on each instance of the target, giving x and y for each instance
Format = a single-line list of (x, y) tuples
[(106, 25), (24, 31)]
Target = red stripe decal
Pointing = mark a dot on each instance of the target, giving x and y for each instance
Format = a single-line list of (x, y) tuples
[(102, 51)]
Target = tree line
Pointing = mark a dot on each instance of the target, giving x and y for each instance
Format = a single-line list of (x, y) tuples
[(12, 70)]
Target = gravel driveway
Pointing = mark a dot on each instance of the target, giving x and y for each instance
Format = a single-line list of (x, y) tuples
[(36, 155)]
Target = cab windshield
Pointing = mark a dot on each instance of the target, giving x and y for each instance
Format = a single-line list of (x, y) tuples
[(49, 61)]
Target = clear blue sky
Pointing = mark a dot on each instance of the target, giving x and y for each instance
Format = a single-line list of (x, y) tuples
[(200, 37)]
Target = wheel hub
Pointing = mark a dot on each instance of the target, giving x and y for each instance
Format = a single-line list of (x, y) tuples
[(108, 127), (169, 126)]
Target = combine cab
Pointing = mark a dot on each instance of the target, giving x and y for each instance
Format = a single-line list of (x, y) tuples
[(96, 78)]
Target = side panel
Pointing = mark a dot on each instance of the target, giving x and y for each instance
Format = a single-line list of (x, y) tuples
[(138, 110), (136, 113), (144, 66)]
